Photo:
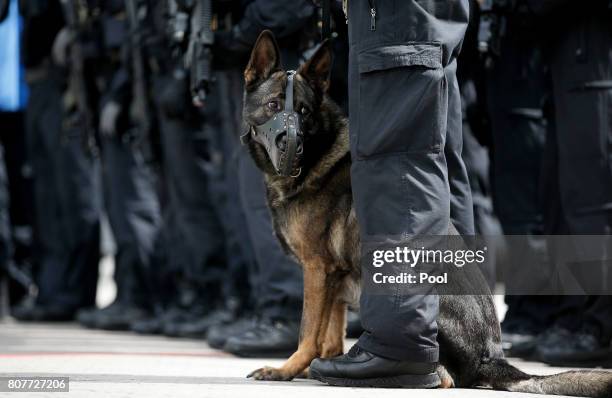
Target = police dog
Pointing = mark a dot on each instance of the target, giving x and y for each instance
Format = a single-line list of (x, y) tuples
[(306, 164)]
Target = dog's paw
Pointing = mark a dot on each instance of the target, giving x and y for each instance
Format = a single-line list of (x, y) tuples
[(269, 373)]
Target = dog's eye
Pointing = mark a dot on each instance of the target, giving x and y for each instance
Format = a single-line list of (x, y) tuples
[(304, 111), (274, 105)]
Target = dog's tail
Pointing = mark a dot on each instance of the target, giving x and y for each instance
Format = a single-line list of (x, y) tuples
[(500, 375)]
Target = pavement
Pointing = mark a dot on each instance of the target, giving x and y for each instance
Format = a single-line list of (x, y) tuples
[(116, 364)]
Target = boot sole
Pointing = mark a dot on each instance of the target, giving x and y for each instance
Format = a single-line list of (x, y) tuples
[(431, 380)]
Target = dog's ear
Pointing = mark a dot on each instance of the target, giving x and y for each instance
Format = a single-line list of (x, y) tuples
[(318, 68), (265, 58)]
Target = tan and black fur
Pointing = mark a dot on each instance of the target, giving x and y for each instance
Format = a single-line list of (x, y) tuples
[(315, 220)]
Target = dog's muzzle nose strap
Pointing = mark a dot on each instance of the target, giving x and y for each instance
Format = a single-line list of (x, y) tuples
[(289, 91)]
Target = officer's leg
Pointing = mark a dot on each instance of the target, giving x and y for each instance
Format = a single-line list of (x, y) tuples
[(581, 72), (397, 146), (461, 206), (18, 171), (476, 158), (67, 266), (516, 88), (80, 214), (6, 247), (43, 129), (241, 285), (133, 211), (68, 272), (399, 118), (198, 248)]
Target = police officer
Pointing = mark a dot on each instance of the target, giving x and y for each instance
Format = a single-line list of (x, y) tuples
[(65, 182), (129, 179), (15, 203), (578, 169), (405, 126), (191, 231), (516, 92)]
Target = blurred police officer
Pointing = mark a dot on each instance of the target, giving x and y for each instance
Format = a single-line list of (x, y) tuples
[(65, 183), (17, 197), (578, 168), (516, 92), (405, 125), (193, 264), (129, 179), (12, 99)]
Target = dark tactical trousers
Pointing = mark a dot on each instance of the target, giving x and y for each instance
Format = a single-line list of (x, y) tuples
[(66, 191), (133, 211), (192, 228), (579, 154), (516, 92), (408, 175), (222, 115), (476, 159), (6, 244)]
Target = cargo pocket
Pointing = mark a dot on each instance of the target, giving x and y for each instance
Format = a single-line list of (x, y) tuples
[(402, 100)]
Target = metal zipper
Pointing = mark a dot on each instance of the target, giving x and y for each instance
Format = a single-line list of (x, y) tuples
[(372, 15)]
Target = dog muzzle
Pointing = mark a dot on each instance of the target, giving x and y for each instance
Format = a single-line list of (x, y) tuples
[(282, 136)]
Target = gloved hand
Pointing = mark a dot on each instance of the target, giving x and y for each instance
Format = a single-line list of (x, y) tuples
[(61, 44), (108, 118)]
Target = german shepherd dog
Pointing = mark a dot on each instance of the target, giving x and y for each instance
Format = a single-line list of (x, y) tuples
[(314, 218)]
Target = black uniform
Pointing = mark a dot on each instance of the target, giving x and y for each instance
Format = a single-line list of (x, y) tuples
[(65, 179), (129, 179), (516, 82), (578, 163), (192, 229), (408, 175)]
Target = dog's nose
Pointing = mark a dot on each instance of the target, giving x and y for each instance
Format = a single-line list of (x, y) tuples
[(281, 143)]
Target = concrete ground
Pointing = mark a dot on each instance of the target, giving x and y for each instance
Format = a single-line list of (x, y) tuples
[(113, 364)]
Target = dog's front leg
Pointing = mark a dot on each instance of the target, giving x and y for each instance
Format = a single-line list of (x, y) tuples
[(317, 308), (331, 338), (333, 342)]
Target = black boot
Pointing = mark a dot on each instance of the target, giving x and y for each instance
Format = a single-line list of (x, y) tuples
[(519, 339), (156, 323), (360, 368), (217, 335), (549, 341), (584, 348), (267, 338), (88, 317), (43, 313), (198, 328), (117, 316)]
